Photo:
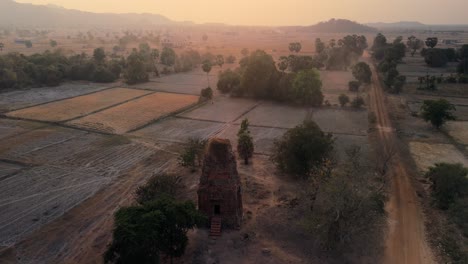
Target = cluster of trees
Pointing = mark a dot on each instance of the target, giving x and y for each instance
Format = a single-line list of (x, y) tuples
[(52, 68), (258, 77), (156, 227), (430, 82), (389, 55), (339, 55), (346, 210)]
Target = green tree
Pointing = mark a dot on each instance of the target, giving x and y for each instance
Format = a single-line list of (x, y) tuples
[(143, 233), (283, 63), (99, 55), (295, 47), (53, 43), (307, 88), (2, 46), (302, 150), (358, 102), (168, 56), (353, 86), (437, 112), (207, 69), (136, 71), (344, 99), (319, 46), (28, 44), (259, 74), (244, 127), (362, 72), (207, 93), (380, 41), (432, 42), (158, 186), (192, 153), (228, 81), (245, 146), (449, 183), (414, 44), (220, 60)]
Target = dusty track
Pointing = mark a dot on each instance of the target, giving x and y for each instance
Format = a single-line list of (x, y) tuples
[(406, 239)]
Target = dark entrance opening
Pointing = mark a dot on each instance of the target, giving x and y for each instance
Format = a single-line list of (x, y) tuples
[(217, 209)]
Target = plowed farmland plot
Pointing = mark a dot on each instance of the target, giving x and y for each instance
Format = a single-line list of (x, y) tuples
[(335, 82), (275, 115), (136, 113), (10, 128), (20, 147), (79, 106), (28, 97), (223, 109), (71, 171), (179, 130)]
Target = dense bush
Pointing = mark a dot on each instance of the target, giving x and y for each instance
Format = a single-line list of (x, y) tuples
[(228, 81), (436, 57), (302, 149), (353, 86)]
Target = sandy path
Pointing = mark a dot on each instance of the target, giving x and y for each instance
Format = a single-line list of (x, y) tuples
[(406, 240)]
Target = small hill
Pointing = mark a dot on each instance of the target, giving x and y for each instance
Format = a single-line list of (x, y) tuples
[(19, 14), (340, 26)]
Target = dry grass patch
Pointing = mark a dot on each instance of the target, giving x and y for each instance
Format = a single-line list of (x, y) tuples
[(426, 155), (458, 130), (136, 113), (79, 106)]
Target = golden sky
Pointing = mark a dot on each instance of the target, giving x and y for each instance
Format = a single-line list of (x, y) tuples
[(281, 12)]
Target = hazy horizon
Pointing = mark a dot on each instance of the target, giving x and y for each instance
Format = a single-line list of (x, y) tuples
[(276, 13)]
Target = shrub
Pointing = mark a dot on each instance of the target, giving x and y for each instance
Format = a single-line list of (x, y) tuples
[(436, 58), (437, 112), (354, 86), (103, 75), (158, 186), (344, 99), (358, 102), (192, 154), (207, 93), (228, 81), (449, 183)]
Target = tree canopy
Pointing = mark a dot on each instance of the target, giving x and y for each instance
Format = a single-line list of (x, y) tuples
[(437, 112)]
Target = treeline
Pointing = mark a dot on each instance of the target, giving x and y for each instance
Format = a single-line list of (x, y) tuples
[(52, 68), (389, 55)]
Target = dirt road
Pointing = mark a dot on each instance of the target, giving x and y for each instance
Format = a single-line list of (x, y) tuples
[(406, 239)]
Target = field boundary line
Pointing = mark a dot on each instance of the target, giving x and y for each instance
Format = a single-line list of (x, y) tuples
[(58, 100), (160, 91), (247, 111), (176, 112)]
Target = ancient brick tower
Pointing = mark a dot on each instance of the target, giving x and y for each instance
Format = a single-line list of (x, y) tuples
[(219, 192)]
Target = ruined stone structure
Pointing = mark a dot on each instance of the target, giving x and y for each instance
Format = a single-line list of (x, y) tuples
[(219, 192)]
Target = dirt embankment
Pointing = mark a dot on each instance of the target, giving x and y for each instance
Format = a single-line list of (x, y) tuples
[(406, 240)]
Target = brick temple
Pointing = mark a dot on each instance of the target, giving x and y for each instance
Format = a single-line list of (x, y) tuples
[(219, 191)]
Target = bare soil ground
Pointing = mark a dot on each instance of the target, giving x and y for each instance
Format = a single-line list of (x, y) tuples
[(458, 130), (221, 109), (427, 155), (79, 106), (33, 96), (275, 115), (341, 121), (136, 113)]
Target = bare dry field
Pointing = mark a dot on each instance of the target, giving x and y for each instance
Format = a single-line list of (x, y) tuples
[(195, 78), (427, 155), (136, 113), (10, 128), (170, 88), (275, 115), (222, 109), (414, 67), (340, 121), (175, 129), (33, 96), (79, 106), (458, 130), (335, 81)]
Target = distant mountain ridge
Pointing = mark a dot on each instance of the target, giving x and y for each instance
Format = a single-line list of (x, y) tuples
[(340, 26), (400, 24), (19, 14)]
